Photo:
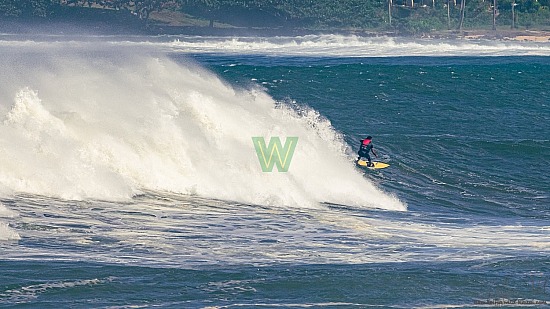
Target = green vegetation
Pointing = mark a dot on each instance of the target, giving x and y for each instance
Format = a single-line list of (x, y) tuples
[(26, 8), (407, 16)]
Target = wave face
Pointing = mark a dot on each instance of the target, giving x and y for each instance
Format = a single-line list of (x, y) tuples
[(108, 124)]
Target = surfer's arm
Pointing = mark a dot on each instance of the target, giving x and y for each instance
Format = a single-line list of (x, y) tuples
[(374, 152)]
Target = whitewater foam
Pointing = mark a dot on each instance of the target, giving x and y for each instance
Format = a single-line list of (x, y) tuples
[(7, 213), (107, 126), (327, 45), (6, 233), (30, 292), (355, 46)]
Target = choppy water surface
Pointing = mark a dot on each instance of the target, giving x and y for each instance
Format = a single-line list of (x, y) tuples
[(129, 177)]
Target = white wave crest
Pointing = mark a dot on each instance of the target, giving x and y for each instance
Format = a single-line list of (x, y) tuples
[(328, 45), (355, 46), (6, 233)]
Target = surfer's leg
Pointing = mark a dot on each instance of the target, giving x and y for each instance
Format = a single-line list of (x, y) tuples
[(369, 159)]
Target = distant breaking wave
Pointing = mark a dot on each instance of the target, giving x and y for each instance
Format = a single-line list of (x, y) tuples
[(107, 124), (306, 46), (357, 46)]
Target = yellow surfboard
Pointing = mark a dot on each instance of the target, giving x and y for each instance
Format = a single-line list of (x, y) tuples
[(377, 165)]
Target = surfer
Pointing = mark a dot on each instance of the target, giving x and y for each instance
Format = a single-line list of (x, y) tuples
[(365, 149)]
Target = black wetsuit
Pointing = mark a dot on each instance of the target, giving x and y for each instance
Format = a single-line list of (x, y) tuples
[(365, 149)]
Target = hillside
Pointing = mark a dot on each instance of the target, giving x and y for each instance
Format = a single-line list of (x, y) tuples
[(263, 17)]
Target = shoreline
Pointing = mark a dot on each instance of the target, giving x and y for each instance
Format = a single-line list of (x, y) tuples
[(539, 36)]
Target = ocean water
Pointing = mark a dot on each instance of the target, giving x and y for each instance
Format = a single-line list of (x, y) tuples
[(129, 178)]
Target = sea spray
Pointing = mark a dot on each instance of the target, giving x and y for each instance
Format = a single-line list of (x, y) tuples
[(107, 125)]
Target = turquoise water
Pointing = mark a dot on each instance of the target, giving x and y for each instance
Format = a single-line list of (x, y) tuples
[(138, 185)]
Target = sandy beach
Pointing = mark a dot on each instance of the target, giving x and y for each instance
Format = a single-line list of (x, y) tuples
[(507, 35)]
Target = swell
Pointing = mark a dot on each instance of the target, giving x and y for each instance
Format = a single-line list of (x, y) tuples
[(107, 125)]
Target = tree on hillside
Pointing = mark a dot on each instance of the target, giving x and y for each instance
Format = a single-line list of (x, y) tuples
[(311, 14), (144, 8), (241, 12), (27, 8), (9, 8), (390, 4), (140, 8), (494, 14), (513, 26), (462, 9), (210, 8)]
